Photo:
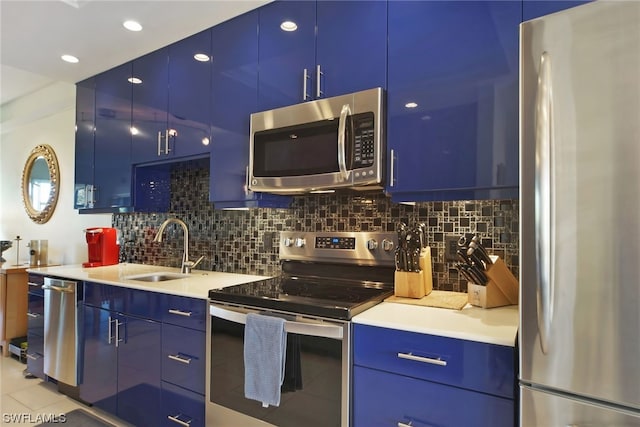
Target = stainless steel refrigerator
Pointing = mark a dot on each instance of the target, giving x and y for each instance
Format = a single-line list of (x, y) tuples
[(580, 217)]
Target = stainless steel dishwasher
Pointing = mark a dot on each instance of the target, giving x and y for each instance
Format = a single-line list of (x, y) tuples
[(61, 330)]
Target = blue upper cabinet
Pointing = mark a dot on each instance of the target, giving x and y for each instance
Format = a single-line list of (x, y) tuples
[(535, 8), (452, 100), (85, 125), (351, 46), (235, 97), (150, 93), (171, 102), (286, 58), (190, 68), (112, 145), (337, 47)]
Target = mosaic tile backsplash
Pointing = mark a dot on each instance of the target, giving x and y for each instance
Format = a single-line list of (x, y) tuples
[(247, 241)]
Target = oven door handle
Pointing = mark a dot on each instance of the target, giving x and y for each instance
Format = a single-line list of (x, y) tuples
[(307, 327)]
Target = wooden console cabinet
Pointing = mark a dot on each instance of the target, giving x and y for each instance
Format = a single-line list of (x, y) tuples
[(13, 304)]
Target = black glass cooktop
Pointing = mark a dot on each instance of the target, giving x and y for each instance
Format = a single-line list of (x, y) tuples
[(332, 298)]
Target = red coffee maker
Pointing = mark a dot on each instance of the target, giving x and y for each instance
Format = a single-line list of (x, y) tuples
[(103, 246)]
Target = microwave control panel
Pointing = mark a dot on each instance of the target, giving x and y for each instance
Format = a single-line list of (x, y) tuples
[(363, 140)]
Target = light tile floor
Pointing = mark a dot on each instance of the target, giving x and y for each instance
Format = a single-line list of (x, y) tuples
[(30, 401)]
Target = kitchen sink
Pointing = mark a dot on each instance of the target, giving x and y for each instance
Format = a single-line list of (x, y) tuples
[(157, 277)]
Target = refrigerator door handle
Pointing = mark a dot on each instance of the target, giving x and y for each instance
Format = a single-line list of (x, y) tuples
[(544, 201)]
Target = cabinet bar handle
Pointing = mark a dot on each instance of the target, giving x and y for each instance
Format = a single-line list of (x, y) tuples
[(305, 77), (422, 359), (91, 191), (180, 312), (110, 336), (318, 85), (247, 183), (33, 315), (392, 167), (159, 143), (166, 142), (177, 358), (31, 357), (175, 419)]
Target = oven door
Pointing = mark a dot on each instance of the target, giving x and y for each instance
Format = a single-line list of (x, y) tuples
[(317, 375)]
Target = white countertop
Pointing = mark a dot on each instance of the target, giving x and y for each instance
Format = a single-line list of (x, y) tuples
[(197, 285), (493, 326)]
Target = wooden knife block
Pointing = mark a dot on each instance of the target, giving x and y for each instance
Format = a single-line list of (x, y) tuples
[(502, 288), (411, 284)]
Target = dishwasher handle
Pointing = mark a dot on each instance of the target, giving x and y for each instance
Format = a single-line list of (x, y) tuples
[(57, 289)]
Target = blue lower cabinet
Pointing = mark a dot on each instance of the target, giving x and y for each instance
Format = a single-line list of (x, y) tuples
[(185, 311), (410, 378), (139, 371), (181, 407), (386, 399), (481, 367), (99, 369), (135, 302), (120, 370), (183, 357), (35, 329)]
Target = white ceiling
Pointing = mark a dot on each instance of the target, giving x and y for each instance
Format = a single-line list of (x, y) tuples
[(34, 34)]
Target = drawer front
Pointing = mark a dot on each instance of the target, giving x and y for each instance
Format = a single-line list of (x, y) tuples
[(35, 314), (384, 399), (35, 283), (124, 300), (181, 407), (185, 311), (183, 357), (104, 296), (472, 365)]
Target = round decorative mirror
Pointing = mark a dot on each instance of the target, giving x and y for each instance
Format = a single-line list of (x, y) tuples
[(41, 183)]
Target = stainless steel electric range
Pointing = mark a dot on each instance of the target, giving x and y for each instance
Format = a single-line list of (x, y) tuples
[(326, 279)]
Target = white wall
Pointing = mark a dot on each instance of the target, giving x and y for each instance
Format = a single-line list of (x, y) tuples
[(43, 117)]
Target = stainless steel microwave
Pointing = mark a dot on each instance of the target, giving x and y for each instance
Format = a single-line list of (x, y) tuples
[(320, 145)]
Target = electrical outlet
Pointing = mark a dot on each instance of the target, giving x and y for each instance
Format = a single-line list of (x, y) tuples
[(451, 247), (267, 240)]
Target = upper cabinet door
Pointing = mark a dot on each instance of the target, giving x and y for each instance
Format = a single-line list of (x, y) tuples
[(453, 100), (351, 47), (150, 81), (235, 97), (338, 47), (286, 58), (190, 68), (85, 125), (534, 8), (112, 168)]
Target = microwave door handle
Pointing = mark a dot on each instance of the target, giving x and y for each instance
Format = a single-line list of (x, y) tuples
[(342, 146)]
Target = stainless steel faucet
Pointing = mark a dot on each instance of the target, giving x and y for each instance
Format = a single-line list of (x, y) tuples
[(186, 264)]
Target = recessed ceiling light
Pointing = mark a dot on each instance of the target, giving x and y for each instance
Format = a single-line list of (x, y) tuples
[(202, 57), (134, 130), (410, 105), (132, 25), (288, 26), (69, 58), (134, 80)]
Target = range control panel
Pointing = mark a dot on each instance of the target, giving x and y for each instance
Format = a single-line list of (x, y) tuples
[(331, 242), (364, 248)]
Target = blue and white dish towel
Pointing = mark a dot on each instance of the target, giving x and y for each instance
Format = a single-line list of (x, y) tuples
[(265, 343)]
